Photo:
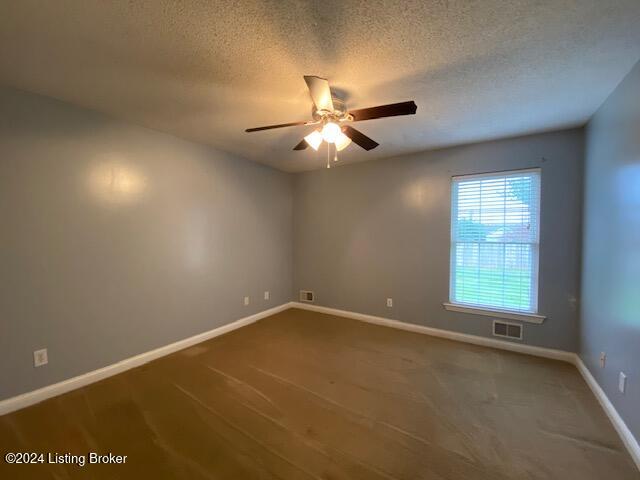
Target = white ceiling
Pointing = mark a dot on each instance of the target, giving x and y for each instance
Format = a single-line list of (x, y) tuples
[(206, 70)]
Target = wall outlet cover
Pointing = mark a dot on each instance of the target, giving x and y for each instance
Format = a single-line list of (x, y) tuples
[(389, 302), (246, 301), (622, 382), (40, 358), (266, 295), (603, 359)]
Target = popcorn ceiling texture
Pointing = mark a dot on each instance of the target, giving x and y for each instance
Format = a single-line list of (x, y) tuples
[(207, 70)]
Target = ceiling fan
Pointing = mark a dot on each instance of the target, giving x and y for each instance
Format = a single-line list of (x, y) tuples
[(330, 114)]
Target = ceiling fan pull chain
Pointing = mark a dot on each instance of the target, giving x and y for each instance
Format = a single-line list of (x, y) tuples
[(328, 155)]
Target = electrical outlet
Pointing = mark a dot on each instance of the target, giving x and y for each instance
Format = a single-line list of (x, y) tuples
[(622, 382), (40, 358), (246, 301), (266, 295), (603, 359), (389, 302)]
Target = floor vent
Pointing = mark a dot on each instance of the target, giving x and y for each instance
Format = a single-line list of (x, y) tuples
[(306, 296), (506, 329)]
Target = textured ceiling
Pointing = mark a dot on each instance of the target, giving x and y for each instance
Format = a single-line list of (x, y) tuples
[(206, 70)]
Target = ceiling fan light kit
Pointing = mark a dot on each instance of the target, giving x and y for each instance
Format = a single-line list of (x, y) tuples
[(330, 112)]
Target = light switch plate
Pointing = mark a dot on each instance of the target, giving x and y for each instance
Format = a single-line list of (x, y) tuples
[(266, 295), (246, 301)]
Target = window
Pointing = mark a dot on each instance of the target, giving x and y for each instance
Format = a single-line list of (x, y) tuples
[(495, 222)]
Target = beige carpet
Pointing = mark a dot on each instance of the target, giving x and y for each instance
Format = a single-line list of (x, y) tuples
[(303, 395)]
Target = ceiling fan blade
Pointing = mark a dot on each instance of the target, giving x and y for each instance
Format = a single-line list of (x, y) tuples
[(360, 138), (302, 145), (281, 125), (391, 110), (320, 92)]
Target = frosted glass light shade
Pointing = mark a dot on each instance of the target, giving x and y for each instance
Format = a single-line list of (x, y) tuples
[(314, 139), (330, 132), (342, 142)]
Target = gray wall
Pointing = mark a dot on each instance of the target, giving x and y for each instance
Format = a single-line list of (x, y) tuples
[(379, 229), (116, 239), (610, 309)]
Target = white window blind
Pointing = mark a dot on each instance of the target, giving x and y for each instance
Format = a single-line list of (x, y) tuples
[(495, 240)]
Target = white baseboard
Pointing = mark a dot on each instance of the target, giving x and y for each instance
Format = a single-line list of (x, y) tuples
[(436, 332), (626, 436), (618, 423), (36, 396)]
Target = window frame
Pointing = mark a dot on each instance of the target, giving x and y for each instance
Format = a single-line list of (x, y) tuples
[(532, 316)]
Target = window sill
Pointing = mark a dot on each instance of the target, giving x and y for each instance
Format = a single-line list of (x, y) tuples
[(522, 317)]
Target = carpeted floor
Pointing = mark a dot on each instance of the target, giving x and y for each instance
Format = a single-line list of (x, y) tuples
[(303, 395)]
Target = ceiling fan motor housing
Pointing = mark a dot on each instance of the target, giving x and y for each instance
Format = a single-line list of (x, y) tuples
[(339, 111)]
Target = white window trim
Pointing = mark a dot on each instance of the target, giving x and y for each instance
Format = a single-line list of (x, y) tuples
[(529, 317), (490, 312), (498, 173)]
